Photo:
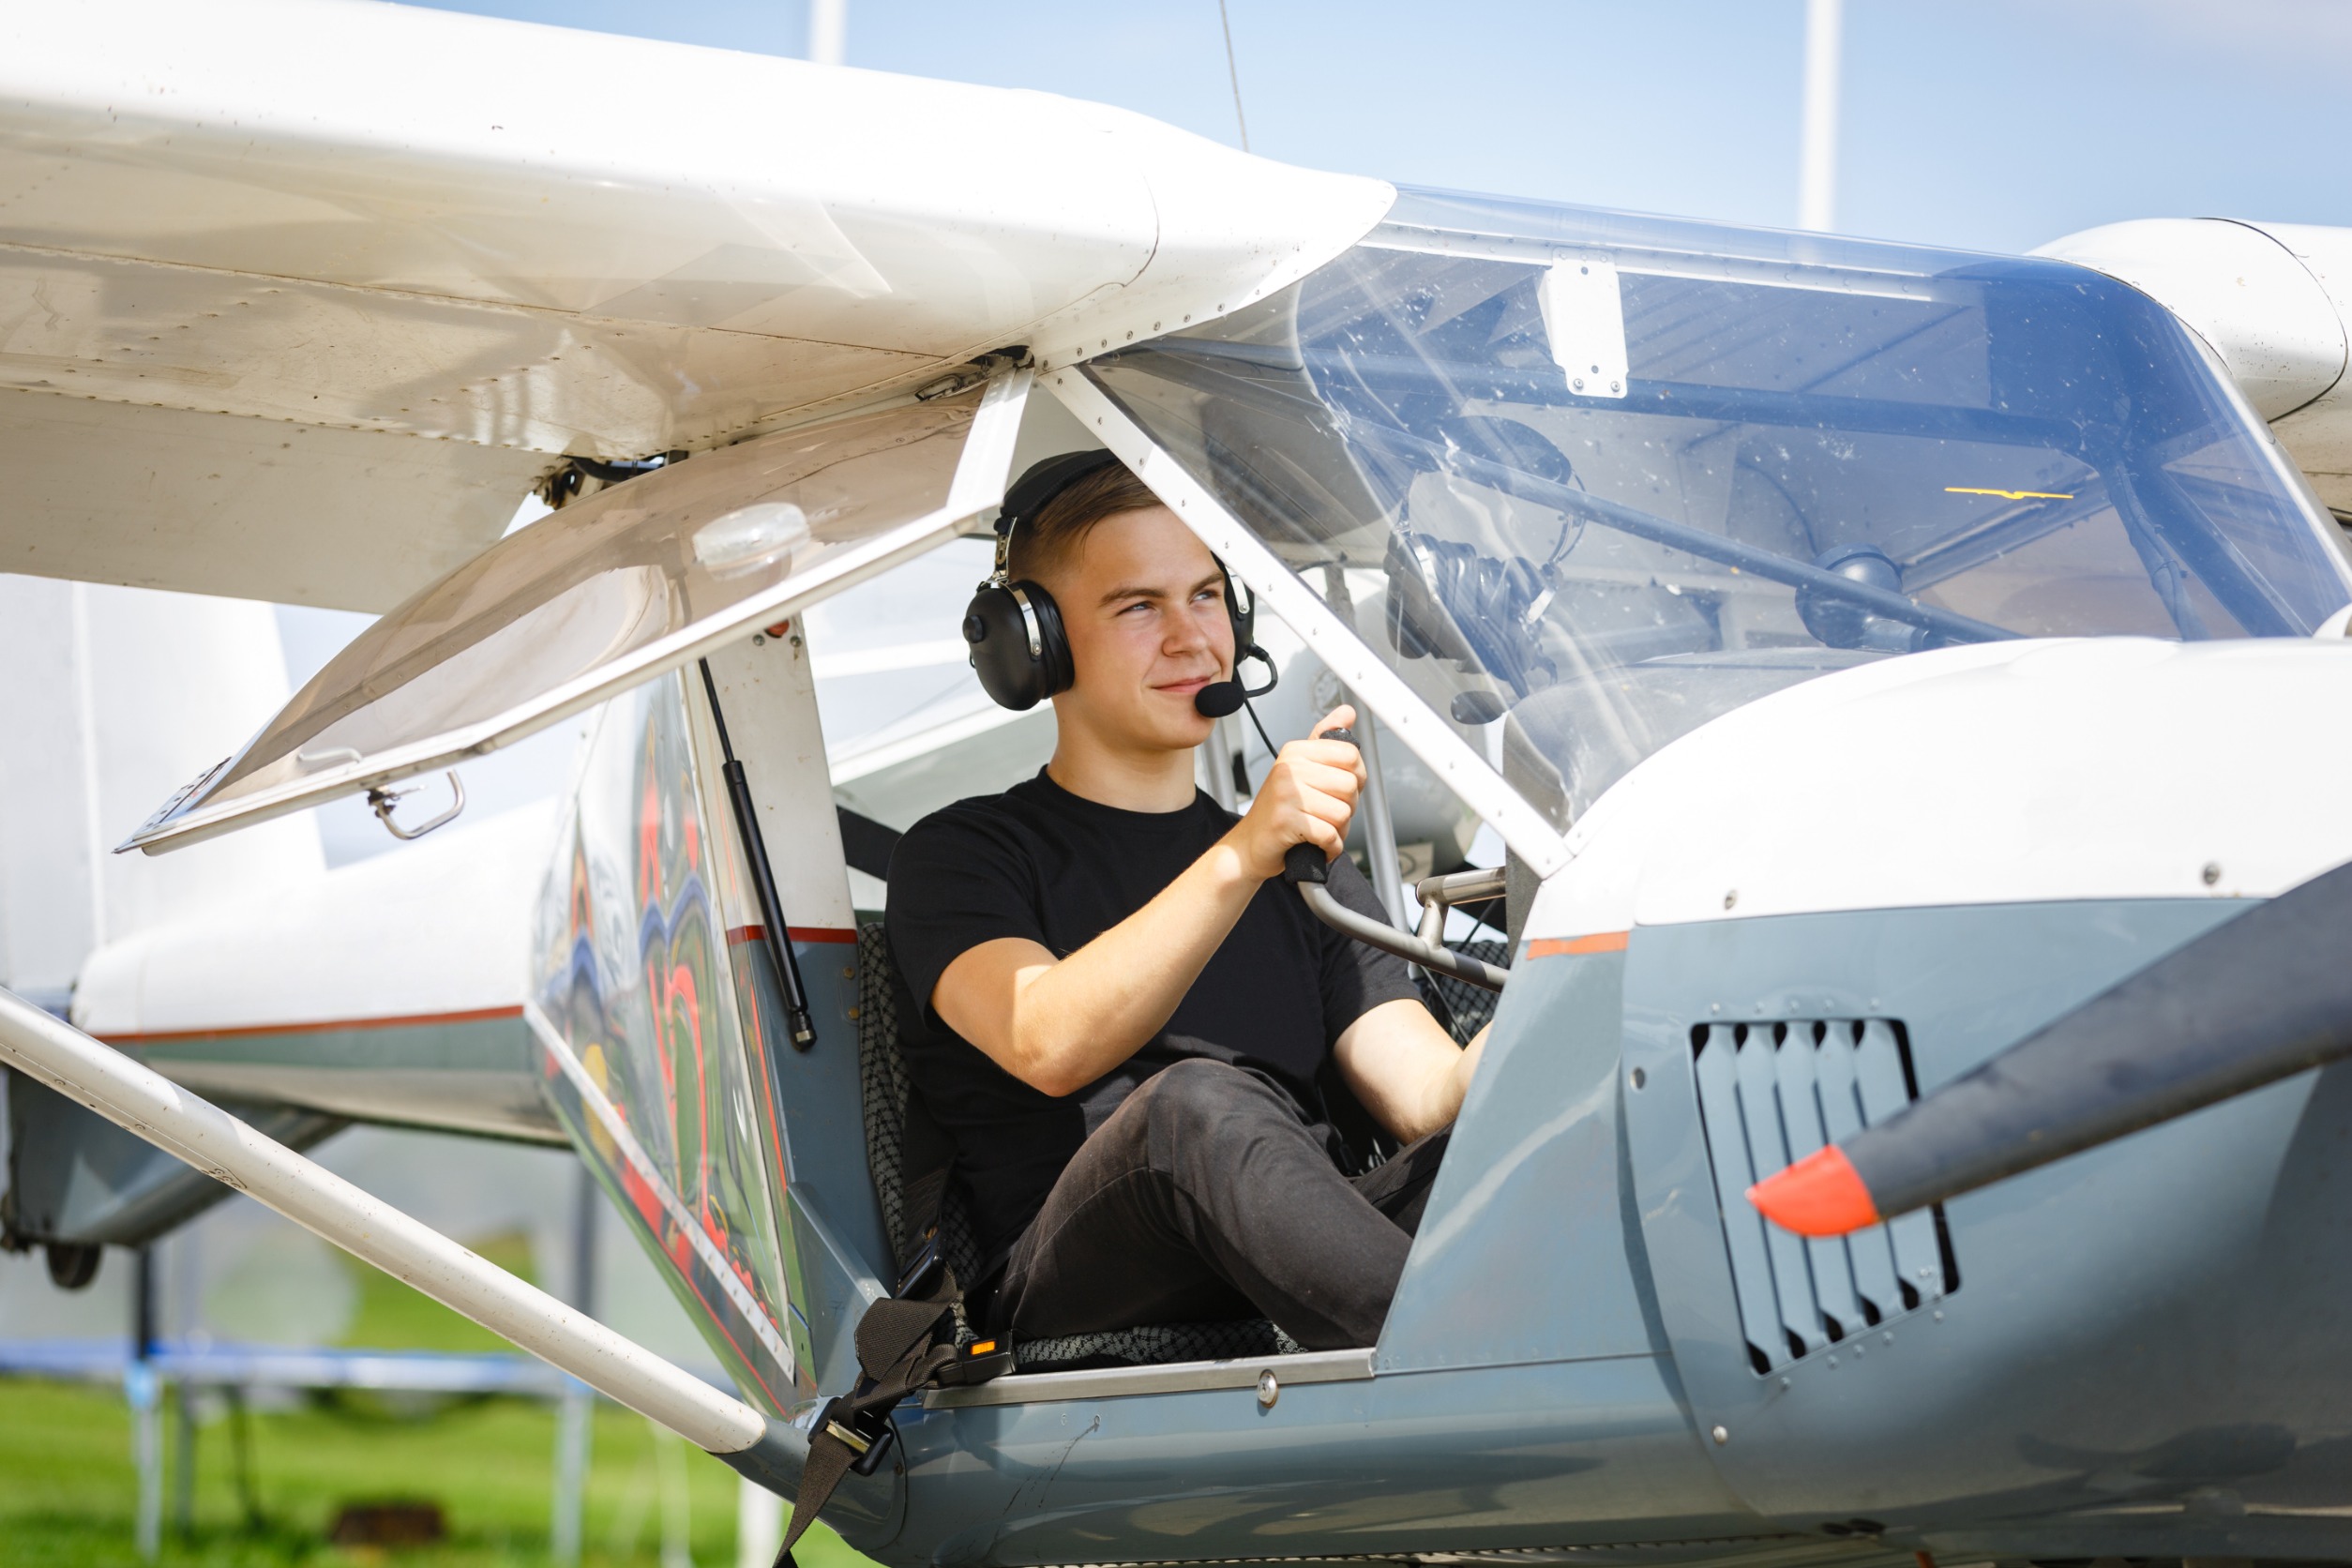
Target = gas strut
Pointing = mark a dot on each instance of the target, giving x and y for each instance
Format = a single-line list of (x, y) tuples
[(796, 1017)]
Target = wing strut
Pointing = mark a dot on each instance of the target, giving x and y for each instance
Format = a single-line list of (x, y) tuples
[(193, 1129)]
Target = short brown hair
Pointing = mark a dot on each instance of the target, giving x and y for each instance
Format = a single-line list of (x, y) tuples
[(1046, 540)]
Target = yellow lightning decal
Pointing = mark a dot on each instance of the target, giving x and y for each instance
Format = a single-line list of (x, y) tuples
[(2009, 496)]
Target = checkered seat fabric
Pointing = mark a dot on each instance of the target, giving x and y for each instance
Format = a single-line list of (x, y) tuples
[(1470, 1007)]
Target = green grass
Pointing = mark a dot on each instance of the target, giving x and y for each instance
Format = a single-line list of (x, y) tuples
[(67, 1488), (392, 1316)]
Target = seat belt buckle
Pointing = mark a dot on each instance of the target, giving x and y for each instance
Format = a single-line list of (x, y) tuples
[(978, 1363), (867, 1436)]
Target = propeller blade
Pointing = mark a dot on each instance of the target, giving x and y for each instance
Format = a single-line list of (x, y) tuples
[(2257, 999)]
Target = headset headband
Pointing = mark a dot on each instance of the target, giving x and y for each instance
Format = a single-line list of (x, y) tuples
[(1038, 487)]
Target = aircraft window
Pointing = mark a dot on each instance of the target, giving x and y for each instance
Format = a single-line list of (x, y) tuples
[(1821, 453), (611, 590)]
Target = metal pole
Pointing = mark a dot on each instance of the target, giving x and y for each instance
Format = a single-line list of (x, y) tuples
[(1817, 157), (1379, 828), (677, 1503), (241, 1456), (573, 1414), (202, 1134), (183, 1460), (144, 1391), (828, 31), (1233, 747), (759, 1526), (1216, 766), (181, 1251)]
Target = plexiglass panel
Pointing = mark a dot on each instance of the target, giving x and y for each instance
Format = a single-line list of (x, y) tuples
[(1617, 475), (634, 974), (606, 592)]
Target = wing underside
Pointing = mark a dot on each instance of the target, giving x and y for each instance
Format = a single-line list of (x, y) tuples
[(276, 327)]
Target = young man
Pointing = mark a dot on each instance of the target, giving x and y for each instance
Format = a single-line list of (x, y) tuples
[(1121, 1015)]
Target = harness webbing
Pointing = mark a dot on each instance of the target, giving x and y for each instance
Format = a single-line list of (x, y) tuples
[(899, 1352)]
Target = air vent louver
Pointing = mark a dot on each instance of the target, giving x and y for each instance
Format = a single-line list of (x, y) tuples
[(1771, 1093)]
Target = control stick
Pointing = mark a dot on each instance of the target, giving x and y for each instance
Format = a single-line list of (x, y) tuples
[(1304, 867)]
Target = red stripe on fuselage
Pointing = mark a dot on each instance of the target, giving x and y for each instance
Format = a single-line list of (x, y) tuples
[(798, 933), (330, 1025), (1600, 942)]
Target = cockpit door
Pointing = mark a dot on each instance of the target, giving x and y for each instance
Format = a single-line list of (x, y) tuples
[(610, 591)]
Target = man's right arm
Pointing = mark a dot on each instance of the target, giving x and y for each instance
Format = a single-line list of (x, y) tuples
[(1059, 1025)]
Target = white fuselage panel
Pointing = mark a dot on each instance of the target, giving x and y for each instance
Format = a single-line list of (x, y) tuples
[(2015, 772)]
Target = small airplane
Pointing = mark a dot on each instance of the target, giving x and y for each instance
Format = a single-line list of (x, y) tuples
[(1904, 683)]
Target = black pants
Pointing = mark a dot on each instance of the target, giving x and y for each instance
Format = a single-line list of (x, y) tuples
[(1208, 1197)]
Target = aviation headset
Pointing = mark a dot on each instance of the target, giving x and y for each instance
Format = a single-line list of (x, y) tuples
[(1019, 645)]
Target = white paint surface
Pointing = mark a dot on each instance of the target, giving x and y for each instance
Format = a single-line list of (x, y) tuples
[(2240, 290), (106, 709), (499, 242), (444, 927), (1584, 323), (2012, 772), (2272, 300)]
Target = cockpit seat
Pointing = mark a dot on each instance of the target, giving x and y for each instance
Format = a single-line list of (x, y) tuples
[(883, 1087)]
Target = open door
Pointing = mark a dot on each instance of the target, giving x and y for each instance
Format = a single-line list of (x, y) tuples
[(610, 591)]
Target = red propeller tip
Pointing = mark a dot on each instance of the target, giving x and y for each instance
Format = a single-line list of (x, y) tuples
[(1819, 1195)]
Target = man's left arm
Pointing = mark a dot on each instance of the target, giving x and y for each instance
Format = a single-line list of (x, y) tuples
[(1404, 1069)]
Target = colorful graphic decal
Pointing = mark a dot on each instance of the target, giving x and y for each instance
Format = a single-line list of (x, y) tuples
[(634, 991)]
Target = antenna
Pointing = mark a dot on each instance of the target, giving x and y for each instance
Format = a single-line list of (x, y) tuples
[(828, 31), (1234, 72), (1816, 156)]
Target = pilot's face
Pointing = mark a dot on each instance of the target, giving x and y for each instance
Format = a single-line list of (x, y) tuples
[(1144, 606)]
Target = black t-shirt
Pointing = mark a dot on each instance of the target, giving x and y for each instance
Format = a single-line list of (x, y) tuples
[(1041, 863)]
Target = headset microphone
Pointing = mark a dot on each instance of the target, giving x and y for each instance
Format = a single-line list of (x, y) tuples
[(1220, 699)]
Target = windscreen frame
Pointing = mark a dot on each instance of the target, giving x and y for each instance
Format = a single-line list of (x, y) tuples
[(1478, 785)]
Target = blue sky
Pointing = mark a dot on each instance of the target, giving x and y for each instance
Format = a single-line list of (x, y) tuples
[(1994, 124)]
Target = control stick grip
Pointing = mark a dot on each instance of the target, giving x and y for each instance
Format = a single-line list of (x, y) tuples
[(1302, 862)]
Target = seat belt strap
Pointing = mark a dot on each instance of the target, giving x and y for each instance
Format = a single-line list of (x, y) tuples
[(900, 1350), (852, 1431)]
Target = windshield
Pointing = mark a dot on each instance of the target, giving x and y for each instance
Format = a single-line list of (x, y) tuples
[(1589, 480)]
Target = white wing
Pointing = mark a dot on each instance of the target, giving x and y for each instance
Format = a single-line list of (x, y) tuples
[(298, 297)]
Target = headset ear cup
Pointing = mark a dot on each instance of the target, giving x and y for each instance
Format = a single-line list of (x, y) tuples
[(998, 636), (1057, 671)]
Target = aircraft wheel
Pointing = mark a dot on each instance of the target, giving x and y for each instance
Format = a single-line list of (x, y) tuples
[(72, 1264)]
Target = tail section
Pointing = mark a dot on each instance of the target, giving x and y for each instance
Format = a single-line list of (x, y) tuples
[(113, 692)]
